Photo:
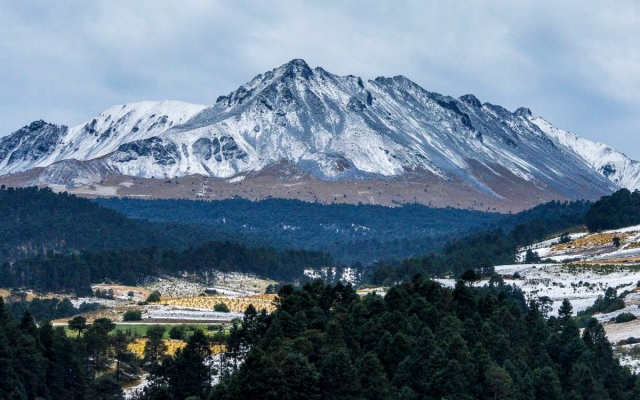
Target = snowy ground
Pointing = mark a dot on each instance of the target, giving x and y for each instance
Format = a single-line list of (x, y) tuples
[(570, 282), (187, 314), (233, 284), (580, 284), (591, 247)]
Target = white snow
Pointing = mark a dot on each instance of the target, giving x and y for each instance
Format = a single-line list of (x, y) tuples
[(623, 171)]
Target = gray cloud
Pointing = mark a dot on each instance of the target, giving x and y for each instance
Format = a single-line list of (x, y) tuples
[(575, 63)]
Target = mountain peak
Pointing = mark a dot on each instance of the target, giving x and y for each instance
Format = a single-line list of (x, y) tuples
[(296, 67), (522, 112), (471, 100), (35, 125)]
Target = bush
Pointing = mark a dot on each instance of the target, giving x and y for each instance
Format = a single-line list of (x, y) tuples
[(154, 297), (221, 307), (630, 340), (625, 317), (132, 315), (177, 332)]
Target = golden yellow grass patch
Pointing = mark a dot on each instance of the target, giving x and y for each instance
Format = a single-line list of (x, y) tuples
[(238, 304), (591, 241), (137, 347)]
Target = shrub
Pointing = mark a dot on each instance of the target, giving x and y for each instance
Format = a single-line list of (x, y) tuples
[(625, 317), (630, 340), (177, 332), (132, 315), (564, 238), (221, 307), (154, 297)]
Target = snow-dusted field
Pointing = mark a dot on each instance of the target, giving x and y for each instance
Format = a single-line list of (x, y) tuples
[(187, 313), (591, 247), (580, 284), (232, 284)]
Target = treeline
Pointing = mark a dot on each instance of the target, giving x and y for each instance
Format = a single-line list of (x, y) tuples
[(43, 309), (75, 272), (351, 233), (481, 251), (421, 341), (616, 211), (34, 221)]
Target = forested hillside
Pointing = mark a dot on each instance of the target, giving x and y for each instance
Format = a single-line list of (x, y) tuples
[(74, 273), (363, 233), (421, 341), (616, 211), (481, 251), (34, 221)]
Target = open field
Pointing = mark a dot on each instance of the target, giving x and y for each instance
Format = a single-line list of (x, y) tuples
[(182, 300), (586, 247), (235, 304), (137, 347)]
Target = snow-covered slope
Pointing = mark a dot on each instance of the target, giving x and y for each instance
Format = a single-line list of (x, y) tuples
[(342, 128), (616, 166), (41, 144), (329, 127)]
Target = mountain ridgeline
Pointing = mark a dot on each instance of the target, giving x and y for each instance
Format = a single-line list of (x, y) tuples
[(327, 129)]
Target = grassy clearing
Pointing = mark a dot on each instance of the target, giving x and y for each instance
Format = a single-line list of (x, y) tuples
[(140, 330), (238, 304), (137, 347), (592, 241)]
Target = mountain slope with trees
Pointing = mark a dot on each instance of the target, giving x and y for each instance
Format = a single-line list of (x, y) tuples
[(351, 233), (34, 221)]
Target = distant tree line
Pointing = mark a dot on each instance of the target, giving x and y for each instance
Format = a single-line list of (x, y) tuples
[(616, 211), (75, 272), (481, 251), (351, 233), (46, 309), (35, 221)]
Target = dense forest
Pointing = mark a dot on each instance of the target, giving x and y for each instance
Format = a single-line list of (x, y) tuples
[(42, 362), (351, 233), (74, 242), (481, 251), (74, 273), (421, 341), (35, 221), (616, 211)]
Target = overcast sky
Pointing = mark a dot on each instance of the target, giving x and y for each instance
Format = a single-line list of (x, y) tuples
[(576, 64)]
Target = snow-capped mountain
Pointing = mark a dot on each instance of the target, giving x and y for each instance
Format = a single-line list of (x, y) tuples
[(41, 144), (330, 128)]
